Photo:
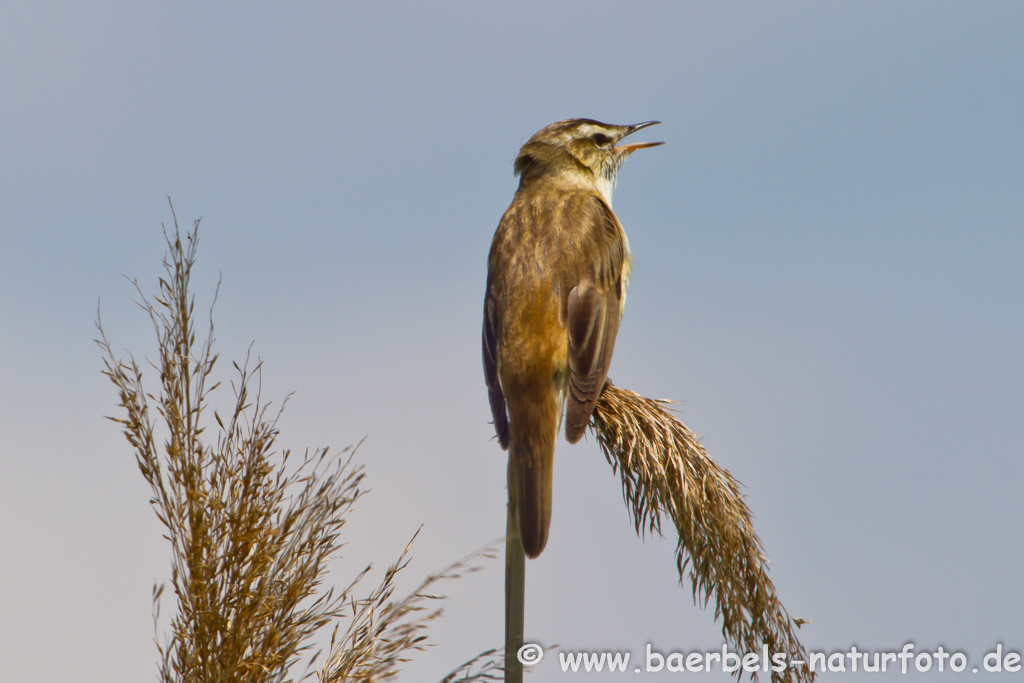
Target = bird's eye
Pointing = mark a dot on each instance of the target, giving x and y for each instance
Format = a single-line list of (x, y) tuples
[(600, 139)]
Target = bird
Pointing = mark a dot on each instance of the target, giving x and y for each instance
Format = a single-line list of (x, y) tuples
[(557, 274)]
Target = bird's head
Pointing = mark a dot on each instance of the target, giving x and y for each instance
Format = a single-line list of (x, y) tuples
[(583, 150)]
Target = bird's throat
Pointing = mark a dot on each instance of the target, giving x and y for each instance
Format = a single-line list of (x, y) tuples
[(605, 181)]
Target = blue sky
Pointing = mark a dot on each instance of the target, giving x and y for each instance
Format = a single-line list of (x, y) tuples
[(828, 277)]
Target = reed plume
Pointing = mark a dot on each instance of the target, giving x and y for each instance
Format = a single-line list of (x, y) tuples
[(666, 472), (251, 528)]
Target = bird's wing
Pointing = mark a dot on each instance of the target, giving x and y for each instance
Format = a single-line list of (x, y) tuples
[(492, 329), (593, 311)]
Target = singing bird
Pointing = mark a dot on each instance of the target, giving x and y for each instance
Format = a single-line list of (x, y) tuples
[(556, 286)]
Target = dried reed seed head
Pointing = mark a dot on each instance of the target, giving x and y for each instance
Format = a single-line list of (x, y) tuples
[(251, 531), (665, 471)]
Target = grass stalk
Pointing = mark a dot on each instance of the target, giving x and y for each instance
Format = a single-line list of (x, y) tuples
[(515, 587)]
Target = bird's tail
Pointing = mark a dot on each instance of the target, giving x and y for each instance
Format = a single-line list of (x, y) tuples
[(532, 464)]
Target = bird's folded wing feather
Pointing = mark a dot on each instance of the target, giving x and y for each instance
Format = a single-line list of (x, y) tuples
[(593, 311), (492, 322)]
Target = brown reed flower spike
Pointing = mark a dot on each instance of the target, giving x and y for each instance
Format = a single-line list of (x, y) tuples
[(666, 471), (251, 530)]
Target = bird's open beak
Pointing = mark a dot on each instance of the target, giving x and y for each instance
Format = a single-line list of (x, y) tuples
[(626, 150)]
